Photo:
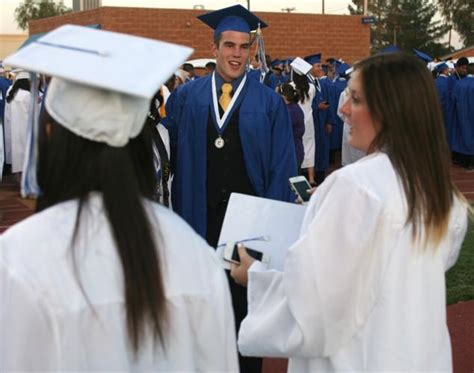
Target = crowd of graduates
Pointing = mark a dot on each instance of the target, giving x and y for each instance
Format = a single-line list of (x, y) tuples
[(104, 278)]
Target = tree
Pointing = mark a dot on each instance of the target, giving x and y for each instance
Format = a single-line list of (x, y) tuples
[(36, 9), (407, 24), (459, 14)]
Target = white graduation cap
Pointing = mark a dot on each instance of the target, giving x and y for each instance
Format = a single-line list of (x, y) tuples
[(94, 91), (300, 66)]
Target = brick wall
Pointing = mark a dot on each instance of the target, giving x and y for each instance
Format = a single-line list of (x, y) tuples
[(288, 34)]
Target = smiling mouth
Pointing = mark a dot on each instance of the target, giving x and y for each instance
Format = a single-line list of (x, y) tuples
[(234, 64)]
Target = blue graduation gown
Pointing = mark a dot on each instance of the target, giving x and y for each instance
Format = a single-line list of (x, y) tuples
[(320, 118), (265, 133), (450, 109), (463, 134), (4, 85), (442, 87), (339, 85)]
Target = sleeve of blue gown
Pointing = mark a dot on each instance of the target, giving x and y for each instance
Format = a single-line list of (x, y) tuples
[(283, 156), (173, 107)]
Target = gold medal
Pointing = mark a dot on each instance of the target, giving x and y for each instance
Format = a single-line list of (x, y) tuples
[(219, 143)]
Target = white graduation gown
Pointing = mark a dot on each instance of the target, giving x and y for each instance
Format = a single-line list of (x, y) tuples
[(19, 112), (47, 325), (309, 143), (356, 293)]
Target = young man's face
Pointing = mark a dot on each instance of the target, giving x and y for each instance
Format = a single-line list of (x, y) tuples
[(317, 70), (232, 54)]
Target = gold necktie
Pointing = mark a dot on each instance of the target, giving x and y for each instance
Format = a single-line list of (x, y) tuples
[(225, 98)]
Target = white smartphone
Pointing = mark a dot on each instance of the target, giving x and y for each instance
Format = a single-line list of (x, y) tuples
[(300, 185), (231, 254)]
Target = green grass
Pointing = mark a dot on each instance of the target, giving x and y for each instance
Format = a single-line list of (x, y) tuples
[(460, 278)]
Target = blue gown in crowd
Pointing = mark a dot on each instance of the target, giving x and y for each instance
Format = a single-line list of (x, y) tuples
[(339, 86), (323, 93), (450, 110), (266, 137), (4, 85), (463, 99), (442, 87), (270, 80)]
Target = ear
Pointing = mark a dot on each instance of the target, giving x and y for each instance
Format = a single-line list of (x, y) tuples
[(214, 49)]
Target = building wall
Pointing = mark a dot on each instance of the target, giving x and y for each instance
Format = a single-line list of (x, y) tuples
[(288, 35), (466, 52), (10, 43)]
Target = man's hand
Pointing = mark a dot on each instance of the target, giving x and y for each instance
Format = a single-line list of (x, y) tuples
[(239, 272), (323, 105), (328, 128)]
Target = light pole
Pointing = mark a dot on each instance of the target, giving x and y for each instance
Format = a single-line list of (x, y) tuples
[(323, 6)]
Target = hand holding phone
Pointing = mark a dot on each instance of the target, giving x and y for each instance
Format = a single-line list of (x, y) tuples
[(300, 186), (231, 254)]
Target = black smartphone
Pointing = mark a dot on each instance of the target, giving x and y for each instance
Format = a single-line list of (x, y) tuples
[(232, 255)]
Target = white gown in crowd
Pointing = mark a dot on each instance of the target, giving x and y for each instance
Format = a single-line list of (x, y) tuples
[(349, 154), (46, 324), (7, 128), (16, 125), (356, 294), (309, 143)]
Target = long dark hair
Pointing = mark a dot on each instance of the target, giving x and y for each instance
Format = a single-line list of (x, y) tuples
[(70, 167), (17, 85), (287, 90), (302, 86), (402, 98)]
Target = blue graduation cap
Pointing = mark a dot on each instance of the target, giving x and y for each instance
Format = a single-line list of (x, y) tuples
[(275, 63), (390, 49), (233, 18), (342, 68), (422, 56), (440, 67), (314, 58)]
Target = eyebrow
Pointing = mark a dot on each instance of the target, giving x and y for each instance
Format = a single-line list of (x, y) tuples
[(231, 43)]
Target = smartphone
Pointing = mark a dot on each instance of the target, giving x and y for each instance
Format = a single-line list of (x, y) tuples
[(300, 185), (231, 254)]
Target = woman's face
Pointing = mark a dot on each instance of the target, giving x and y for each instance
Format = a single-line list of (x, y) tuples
[(363, 129)]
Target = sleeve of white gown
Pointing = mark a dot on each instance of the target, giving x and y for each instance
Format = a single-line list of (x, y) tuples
[(457, 233), (214, 328), (330, 281), (27, 339)]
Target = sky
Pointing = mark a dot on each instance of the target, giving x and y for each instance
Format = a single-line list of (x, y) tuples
[(8, 25)]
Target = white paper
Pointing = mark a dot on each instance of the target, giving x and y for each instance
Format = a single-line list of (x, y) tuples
[(301, 66), (251, 217)]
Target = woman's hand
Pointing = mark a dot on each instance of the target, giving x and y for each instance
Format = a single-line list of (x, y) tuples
[(239, 272), (298, 199)]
